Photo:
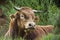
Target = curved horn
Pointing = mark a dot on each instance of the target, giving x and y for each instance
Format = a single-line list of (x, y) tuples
[(37, 11), (17, 8)]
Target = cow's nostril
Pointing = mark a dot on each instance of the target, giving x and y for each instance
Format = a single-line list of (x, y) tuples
[(30, 25)]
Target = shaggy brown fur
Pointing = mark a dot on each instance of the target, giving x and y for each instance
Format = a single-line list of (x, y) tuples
[(38, 32), (17, 28)]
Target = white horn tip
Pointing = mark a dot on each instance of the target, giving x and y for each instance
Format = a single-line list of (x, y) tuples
[(17, 8), (37, 11)]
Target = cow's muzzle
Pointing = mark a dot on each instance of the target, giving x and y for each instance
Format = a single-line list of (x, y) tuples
[(30, 25)]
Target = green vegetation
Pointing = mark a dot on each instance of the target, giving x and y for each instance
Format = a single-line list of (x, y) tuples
[(51, 37), (50, 14)]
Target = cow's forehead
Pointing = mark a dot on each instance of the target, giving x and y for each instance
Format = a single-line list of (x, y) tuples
[(26, 10), (28, 14)]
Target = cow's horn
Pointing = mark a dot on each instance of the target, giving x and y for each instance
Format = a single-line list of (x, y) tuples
[(17, 8), (37, 11)]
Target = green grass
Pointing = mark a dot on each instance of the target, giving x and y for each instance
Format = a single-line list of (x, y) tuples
[(51, 37), (46, 37), (3, 38)]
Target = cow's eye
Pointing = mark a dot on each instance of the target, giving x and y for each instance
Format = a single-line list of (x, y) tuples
[(21, 16)]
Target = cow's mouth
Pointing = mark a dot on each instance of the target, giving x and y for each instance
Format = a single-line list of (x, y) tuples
[(29, 29)]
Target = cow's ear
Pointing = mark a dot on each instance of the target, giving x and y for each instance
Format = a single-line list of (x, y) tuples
[(36, 19), (17, 15), (12, 16)]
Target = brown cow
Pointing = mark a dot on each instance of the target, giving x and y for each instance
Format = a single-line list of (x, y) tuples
[(22, 24)]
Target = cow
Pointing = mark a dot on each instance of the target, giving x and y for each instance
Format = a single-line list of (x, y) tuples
[(23, 24)]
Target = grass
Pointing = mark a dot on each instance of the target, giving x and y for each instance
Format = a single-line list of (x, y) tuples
[(3, 38), (48, 37), (51, 37)]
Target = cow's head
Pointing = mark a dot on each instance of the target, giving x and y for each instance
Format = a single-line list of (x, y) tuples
[(25, 18)]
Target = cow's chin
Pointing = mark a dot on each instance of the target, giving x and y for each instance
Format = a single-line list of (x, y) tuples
[(31, 28)]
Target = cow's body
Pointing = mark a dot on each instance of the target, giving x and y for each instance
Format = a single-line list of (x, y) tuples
[(22, 24), (35, 34), (39, 32)]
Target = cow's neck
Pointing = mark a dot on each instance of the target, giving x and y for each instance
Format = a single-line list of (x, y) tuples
[(24, 33), (28, 35)]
